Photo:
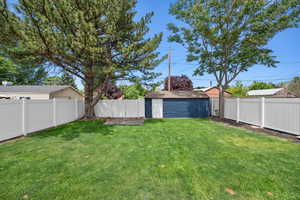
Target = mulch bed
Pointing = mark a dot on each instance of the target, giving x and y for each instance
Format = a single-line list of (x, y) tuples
[(257, 129)]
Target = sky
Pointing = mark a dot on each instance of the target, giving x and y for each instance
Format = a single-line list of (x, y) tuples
[(286, 47)]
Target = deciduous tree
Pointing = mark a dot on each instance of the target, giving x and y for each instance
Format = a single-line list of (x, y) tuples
[(179, 83), (227, 37)]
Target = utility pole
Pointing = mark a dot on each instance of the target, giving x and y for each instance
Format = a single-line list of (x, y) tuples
[(170, 66)]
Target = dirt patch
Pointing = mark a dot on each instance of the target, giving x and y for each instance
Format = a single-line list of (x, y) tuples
[(257, 129)]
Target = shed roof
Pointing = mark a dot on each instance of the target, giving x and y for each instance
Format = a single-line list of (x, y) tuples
[(176, 95), (32, 89), (266, 92)]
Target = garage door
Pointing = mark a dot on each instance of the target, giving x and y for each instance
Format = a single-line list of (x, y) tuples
[(185, 108)]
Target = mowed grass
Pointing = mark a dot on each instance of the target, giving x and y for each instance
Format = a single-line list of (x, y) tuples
[(164, 159)]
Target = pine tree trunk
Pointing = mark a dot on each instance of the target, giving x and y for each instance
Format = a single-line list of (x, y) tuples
[(89, 108), (221, 102)]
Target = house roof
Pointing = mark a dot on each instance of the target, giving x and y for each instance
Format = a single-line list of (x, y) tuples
[(32, 89), (266, 92), (205, 89), (209, 88), (176, 95)]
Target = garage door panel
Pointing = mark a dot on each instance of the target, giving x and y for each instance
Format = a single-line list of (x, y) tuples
[(185, 108)]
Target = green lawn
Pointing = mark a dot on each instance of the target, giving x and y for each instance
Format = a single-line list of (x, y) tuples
[(164, 159)]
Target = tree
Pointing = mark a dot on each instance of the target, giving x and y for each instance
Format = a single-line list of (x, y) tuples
[(98, 41), (68, 79), (134, 91), (64, 79), (257, 85), (179, 83), (294, 86), (21, 73), (113, 92), (239, 90), (7, 69), (227, 37)]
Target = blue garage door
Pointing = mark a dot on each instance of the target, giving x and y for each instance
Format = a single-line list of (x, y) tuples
[(186, 108)]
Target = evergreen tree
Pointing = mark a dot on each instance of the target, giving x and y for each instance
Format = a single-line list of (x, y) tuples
[(98, 41)]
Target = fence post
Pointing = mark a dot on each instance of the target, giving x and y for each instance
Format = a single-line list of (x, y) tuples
[(238, 110), (23, 117), (54, 112), (262, 112), (76, 109)]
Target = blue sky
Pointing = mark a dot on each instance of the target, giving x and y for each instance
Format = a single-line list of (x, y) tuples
[(286, 46)]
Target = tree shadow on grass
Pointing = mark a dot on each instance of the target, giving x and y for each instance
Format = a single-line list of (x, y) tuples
[(73, 130)]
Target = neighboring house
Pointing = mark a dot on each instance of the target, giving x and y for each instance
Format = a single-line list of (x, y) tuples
[(176, 104), (276, 92), (213, 92), (39, 92)]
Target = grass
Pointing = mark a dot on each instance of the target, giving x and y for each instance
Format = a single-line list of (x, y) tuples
[(164, 159)]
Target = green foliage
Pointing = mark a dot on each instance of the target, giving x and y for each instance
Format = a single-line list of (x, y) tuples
[(169, 159), (257, 85), (239, 90), (22, 73), (99, 41), (7, 69), (64, 79), (135, 91), (229, 37), (294, 86)]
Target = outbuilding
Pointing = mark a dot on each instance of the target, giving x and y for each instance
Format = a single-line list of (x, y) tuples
[(39, 92), (176, 104)]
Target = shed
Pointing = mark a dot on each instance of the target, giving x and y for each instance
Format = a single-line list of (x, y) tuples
[(38, 92), (177, 104)]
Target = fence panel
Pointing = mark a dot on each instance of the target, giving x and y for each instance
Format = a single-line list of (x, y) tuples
[(20, 117), (230, 108), (214, 105), (283, 114), (250, 111), (80, 109), (11, 124), (120, 108), (38, 115), (65, 111)]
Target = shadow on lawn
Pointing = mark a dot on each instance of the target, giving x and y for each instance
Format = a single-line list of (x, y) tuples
[(75, 129)]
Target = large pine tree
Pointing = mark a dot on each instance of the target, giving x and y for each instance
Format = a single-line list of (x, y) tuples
[(99, 41)]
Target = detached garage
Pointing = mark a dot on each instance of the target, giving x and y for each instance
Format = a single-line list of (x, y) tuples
[(177, 104)]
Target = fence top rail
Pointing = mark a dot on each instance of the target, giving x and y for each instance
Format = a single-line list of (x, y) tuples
[(259, 97)]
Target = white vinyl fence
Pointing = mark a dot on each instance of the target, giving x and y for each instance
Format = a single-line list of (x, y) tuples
[(120, 108), (21, 117), (282, 114)]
